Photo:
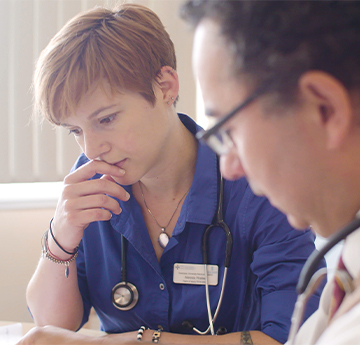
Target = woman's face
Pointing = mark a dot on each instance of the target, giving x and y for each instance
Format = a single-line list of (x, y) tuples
[(122, 129), (271, 150)]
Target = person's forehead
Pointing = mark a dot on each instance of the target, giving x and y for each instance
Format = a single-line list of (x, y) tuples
[(212, 64), (211, 54)]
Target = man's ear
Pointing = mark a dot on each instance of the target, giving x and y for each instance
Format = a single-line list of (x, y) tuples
[(168, 82), (333, 104)]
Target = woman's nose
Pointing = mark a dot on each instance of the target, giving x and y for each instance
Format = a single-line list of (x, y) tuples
[(94, 146), (230, 165)]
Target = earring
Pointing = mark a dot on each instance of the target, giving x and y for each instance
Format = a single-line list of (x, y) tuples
[(168, 102)]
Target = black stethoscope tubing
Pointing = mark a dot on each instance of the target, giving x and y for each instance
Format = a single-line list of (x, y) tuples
[(310, 278), (218, 221), (314, 259), (123, 271), (124, 295)]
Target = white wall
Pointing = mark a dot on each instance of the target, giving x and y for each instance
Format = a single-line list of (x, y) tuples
[(20, 250)]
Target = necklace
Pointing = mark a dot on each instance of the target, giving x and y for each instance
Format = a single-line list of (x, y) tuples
[(163, 238)]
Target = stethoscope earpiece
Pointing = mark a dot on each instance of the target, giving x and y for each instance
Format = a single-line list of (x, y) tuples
[(187, 324), (221, 330)]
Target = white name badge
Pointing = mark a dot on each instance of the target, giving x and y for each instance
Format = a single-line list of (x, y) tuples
[(194, 274)]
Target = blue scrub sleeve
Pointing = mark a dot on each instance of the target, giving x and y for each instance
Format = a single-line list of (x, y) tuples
[(277, 267), (277, 263)]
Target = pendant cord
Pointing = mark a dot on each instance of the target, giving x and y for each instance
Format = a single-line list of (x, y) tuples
[(163, 228)]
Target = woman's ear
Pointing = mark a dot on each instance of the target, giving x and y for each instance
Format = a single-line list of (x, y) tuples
[(168, 82), (332, 102)]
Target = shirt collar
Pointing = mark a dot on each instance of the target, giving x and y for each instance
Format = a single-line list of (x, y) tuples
[(201, 202), (350, 253)]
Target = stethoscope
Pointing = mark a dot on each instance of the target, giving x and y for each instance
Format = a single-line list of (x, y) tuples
[(309, 280), (125, 295), (218, 221)]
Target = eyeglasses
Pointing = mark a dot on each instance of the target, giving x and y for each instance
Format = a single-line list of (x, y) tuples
[(219, 139)]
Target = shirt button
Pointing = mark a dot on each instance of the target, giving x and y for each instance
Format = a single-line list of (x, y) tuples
[(161, 286)]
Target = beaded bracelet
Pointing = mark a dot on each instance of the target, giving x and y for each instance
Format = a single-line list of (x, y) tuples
[(46, 253), (57, 243), (156, 336), (140, 333)]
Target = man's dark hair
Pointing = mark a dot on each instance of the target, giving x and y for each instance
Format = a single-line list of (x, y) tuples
[(280, 40)]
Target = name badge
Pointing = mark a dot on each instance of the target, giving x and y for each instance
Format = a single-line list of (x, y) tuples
[(194, 274)]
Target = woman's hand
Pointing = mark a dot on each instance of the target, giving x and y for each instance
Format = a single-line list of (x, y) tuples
[(84, 201), (53, 298)]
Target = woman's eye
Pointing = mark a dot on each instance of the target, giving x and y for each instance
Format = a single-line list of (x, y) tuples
[(107, 119), (74, 131)]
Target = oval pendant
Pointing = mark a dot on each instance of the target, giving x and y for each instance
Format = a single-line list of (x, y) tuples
[(163, 240)]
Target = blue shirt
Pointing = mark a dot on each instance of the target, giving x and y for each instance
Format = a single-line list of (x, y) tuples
[(266, 261)]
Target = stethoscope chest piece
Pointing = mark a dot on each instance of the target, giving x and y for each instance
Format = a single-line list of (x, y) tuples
[(124, 296)]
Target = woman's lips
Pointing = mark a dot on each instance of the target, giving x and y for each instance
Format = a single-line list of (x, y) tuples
[(121, 163)]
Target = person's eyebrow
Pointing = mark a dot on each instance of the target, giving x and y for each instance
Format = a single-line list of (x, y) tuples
[(94, 114), (98, 111)]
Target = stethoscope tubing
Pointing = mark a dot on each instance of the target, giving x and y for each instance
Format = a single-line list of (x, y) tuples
[(301, 302), (314, 259), (124, 295), (309, 280), (208, 307), (217, 222), (213, 319)]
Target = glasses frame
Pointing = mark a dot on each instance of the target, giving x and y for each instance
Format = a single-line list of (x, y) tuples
[(205, 136)]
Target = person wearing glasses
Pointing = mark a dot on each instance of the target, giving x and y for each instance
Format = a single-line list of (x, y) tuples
[(281, 79), (144, 191)]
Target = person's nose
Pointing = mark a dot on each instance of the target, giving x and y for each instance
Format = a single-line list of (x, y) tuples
[(94, 145), (230, 165)]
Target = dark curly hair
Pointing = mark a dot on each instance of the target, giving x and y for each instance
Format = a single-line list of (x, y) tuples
[(277, 41)]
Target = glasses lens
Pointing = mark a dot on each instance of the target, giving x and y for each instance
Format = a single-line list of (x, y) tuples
[(220, 142)]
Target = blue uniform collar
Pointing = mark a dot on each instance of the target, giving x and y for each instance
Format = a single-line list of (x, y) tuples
[(199, 205), (201, 202)]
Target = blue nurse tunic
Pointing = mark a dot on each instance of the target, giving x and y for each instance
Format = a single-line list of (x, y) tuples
[(267, 257)]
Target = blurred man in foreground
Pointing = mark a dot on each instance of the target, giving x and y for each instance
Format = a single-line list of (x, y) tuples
[(281, 79)]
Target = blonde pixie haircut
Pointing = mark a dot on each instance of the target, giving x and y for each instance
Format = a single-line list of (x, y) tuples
[(126, 46)]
